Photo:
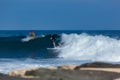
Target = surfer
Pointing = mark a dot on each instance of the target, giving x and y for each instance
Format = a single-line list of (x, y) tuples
[(53, 40), (32, 34)]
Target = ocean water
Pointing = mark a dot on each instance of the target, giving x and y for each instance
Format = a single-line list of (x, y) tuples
[(18, 51)]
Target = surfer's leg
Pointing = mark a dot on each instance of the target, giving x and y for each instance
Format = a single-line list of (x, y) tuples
[(54, 44)]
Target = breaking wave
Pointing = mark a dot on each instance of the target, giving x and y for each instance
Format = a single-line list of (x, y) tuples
[(87, 47), (73, 46)]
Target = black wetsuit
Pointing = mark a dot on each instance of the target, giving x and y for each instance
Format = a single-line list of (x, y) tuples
[(53, 38)]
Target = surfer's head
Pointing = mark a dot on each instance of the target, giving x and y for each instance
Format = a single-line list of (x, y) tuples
[(32, 34)]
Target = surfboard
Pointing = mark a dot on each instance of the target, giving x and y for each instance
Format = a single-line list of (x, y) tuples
[(51, 48)]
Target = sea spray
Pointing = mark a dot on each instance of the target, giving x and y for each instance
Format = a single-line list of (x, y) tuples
[(87, 47)]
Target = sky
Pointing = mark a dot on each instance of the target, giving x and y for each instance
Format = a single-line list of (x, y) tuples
[(59, 14)]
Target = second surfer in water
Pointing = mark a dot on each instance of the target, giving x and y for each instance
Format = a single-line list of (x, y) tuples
[(32, 34)]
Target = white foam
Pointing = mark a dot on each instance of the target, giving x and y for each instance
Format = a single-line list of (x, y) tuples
[(7, 65), (86, 47), (27, 39)]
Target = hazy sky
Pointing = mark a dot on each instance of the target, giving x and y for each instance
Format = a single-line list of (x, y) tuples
[(60, 14)]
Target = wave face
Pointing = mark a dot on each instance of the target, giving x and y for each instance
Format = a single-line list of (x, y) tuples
[(87, 47), (15, 47)]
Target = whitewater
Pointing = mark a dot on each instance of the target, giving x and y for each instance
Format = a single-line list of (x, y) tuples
[(74, 48), (86, 47)]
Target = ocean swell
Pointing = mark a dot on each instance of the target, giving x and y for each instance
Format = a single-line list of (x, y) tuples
[(16, 47)]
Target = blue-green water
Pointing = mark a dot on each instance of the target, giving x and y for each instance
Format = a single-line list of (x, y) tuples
[(76, 47)]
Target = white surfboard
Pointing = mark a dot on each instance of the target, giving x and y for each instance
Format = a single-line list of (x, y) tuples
[(51, 48)]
